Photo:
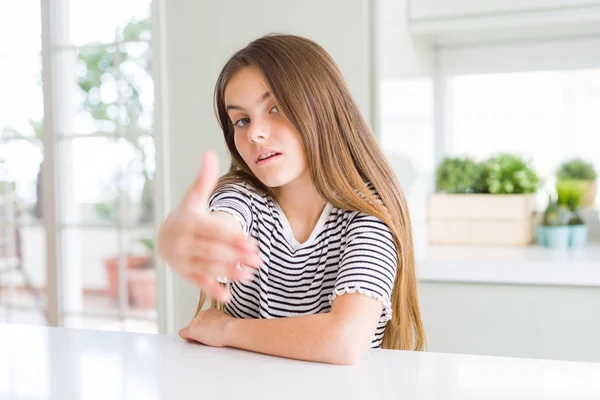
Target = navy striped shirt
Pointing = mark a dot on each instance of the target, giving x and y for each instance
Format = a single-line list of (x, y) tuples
[(347, 252)]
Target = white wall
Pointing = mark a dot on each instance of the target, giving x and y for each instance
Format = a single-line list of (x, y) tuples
[(550, 322), (399, 56), (198, 37), (405, 80)]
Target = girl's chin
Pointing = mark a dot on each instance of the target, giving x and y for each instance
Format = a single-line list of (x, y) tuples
[(276, 180)]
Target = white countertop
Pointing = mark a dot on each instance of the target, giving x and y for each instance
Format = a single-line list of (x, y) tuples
[(57, 363), (531, 265)]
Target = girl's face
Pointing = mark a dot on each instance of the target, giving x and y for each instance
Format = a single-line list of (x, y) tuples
[(264, 138)]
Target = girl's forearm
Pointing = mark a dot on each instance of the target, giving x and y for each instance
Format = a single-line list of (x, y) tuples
[(319, 337)]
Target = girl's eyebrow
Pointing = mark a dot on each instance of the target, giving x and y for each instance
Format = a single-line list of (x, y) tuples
[(259, 101)]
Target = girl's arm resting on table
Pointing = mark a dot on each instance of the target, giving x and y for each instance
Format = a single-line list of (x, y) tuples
[(342, 336)]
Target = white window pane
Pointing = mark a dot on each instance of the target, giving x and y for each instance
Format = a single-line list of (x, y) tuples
[(88, 181), (106, 180), (106, 89), (22, 160), (88, 99), (20, 68), (406, 136), (91, 258), (108, 21), (22, 262), (83, 260), (135, 87), (20, 19)]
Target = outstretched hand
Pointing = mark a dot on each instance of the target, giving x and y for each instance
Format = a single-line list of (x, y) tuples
[(202, 246)]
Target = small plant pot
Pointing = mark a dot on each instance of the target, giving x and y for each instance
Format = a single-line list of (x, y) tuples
[(557, 236), (112, 271), (142, 288), (540, 235), (578, 235)]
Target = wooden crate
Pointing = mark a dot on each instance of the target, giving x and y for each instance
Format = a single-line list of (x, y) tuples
[(589, 195), (481, 219)]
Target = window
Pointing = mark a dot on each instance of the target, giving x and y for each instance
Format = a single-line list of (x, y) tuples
[(547, 116), (102, 119), (540, 99), (407, 137), (22, 240)]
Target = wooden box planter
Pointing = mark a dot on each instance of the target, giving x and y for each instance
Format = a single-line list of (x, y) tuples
[(481, 219), (589, 194)]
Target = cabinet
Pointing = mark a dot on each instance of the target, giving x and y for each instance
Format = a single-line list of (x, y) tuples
[(435, 9), (478, 21)]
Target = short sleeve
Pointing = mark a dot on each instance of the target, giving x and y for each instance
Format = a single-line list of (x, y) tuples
[(368, 262), (236, 200)]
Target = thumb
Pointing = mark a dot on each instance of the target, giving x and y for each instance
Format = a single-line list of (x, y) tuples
[(199, 193)]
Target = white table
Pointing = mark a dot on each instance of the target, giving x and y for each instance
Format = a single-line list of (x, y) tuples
[(56, 363)]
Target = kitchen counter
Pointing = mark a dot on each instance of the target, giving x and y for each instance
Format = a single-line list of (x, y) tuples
[(530, 265)]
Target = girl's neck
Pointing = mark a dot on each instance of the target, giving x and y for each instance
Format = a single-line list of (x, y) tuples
[(301, 202)]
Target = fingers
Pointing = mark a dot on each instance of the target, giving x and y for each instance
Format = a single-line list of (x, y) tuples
[(215, 229), (200, 191), (212, 287), (234, 272), (212, 252)]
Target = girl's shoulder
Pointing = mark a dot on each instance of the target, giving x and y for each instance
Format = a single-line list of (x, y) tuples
[(359, 218), (371, 188)]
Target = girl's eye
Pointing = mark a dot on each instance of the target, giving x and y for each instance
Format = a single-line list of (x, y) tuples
[(275, 109), (240, 123)]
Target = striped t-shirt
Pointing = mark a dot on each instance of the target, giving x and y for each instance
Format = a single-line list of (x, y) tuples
[(347, 252)]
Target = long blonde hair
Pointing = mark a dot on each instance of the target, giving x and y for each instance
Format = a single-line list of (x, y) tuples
[(341, 150)]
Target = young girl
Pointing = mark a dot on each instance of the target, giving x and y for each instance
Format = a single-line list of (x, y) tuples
[(309, 226)]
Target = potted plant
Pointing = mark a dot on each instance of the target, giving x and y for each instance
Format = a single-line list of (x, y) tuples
[(491, 202), (142, 280), (579, 172), (508, 173), (554, 231), (570, 195), (458, 175), (562, 225), (578, 230), (141, 277)]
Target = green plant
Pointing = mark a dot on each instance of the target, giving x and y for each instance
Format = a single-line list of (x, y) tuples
[(576, 169), (570, 194), (554, 214), (507, 173), (576, 219), (148, 243), (457, 175)]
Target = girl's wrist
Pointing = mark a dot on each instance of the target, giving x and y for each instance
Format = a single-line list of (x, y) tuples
[(229, 330)]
